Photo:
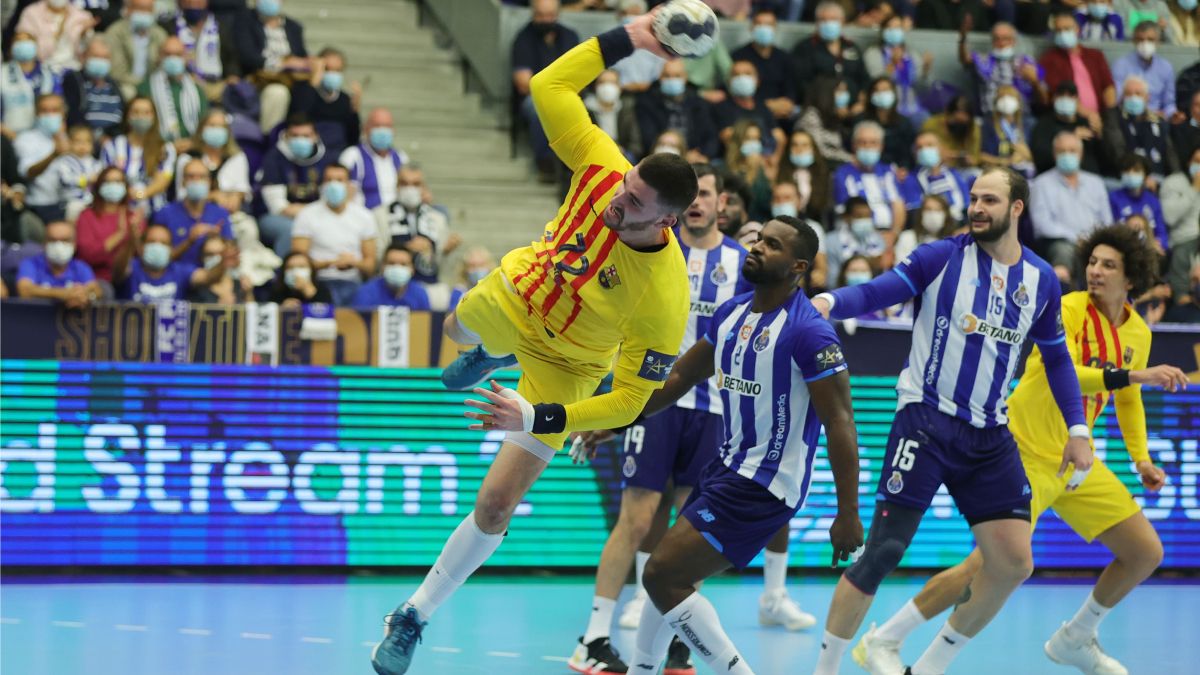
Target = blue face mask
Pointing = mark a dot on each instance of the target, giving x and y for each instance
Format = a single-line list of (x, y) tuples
[(929, 157), (397, 276), (156, 255), (829, 30), (141, 21), (332, 81), (24, 51), (1097, 10), (801, 159), (1134, 105), (1067, 39), (50, 123), (751, 148), (743, 86), (672, 86), (884, 99), (893, 36), (1133, 181), (785, 209), (173, 65), (268, 7), (301, 146), (841, 99), (868, 157), (381, 138), (334, 192), (112, 192), (197, 190), (140, 124), (215, 137), (97, 67), (1067, 162), (1004, 53), (862, 227), (763, 36), (1066, 107), (857, 278), (476, 276)]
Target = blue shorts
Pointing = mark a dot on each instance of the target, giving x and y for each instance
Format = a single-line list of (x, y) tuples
[(675, 444), (735, 514), (981, 468)]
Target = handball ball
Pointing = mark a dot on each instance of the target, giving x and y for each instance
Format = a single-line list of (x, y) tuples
[(686, 27)]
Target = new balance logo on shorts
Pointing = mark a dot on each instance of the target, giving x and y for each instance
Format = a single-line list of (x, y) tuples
[(706, 515)]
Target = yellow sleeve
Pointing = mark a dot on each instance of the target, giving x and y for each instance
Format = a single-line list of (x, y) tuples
[(1091, 380), (555, 91), (1131, 413)]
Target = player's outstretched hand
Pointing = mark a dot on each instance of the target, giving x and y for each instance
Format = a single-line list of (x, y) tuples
[(1078, 453), (583, 449), (504, 410), (1153, 477), (821, 305), (846, 536), (641, 33), (1167, 377)]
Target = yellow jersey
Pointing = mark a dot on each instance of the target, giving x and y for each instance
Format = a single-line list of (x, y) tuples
[(588, 291), (1095, 345)]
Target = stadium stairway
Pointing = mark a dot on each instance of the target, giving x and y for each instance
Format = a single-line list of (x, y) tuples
[(494, 200)]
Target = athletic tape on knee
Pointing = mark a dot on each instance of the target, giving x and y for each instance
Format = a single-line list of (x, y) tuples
[(891, 532)]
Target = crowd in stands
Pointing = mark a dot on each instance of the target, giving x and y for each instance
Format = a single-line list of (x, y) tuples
[(859, 138), (195, 150)]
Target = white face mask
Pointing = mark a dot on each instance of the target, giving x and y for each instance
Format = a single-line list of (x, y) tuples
[(409, 196), (608, 92), (60, 252), (1007, 105), (669, 149), (1146, 49), (933, 221), (397, 275)]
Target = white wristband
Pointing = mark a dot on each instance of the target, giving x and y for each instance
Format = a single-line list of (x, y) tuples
[(526, 408), (828, 297), (1079, 431)]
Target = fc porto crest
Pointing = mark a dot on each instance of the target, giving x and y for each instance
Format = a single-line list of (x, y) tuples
[(1021, 295), (630, 466), (719, 276), (896, 483), (763, 340), (609, 279)]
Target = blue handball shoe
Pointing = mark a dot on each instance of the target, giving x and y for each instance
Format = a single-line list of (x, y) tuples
[(394, 652), (471, 368)]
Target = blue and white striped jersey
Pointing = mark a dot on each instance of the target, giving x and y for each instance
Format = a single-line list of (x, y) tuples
[(714, 277), (763, 362), (972, 316)]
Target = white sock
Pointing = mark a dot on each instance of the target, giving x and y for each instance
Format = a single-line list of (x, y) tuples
[(945, 647), (901, 624), (695, 622), (601, 622), (774, 571), (652, 641), (467, 548), (832, 649), (640, 565), (1088, 618)]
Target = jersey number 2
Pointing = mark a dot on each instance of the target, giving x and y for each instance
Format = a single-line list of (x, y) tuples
[(578, 247)]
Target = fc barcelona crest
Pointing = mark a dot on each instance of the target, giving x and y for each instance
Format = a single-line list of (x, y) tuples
[(609, 279)]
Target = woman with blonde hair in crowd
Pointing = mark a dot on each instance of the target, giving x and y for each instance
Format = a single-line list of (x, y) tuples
[(1004, 139), (141, 153), (744, 157)]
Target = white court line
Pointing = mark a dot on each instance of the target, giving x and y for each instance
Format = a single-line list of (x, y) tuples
[(556, 659), (196, 631), (507, 655), (446, 650), (131, 628), (4, 619), (67, 624), (317, 640), (257, 636)]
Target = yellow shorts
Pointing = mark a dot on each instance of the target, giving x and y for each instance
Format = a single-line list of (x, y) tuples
[(494, 311), (1101, 501)]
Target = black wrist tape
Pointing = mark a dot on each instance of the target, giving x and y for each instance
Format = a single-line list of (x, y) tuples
[(549, 418), (1115, 378)]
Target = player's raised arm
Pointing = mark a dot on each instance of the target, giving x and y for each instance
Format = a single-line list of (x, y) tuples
[(906, 280)]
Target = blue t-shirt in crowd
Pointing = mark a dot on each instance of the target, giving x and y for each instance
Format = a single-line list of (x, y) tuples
[(172, 285), (376, 292), (176, 218), (37, 269)]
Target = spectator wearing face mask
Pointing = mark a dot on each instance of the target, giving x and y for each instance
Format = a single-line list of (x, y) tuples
[(641, 69), (536, 46), (58, 27), (892, 59), (476, 264), (826, 117), (57, 274), (1100, 145), (413, 221), (1144, 132), (177, 96), (1098, 22), (934, 177), (109, 229), (672, 104), (322, 99), (375, 162), (931, 222), (804, 167), (194, 218), (291, 179), (855, 233), (957, 133), (272, 56), (1153, 70), (785, 201), (395, 286), (1066, 203), (24, 78), (744, 158), (777, 87), (214, 146), (339, 235), (1180, 195), (898, 130), (209, 44), (92, 96), (154, 277), (1003, 138), (868, 177), (613, 114), (1003, 66), (827, 53), (1133, 197), (741, 104), (1086, 67), (141, 152), (36, 149), (858, 270), (1183, 24), (135, 42), (296, 284), (222, 287), (71, 174)]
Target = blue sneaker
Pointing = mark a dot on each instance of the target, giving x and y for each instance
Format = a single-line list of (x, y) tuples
[(393, 654), (471, 368)]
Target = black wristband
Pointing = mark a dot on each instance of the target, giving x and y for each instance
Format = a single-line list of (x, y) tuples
[(549, 418), (615, 45), (1115, 378)]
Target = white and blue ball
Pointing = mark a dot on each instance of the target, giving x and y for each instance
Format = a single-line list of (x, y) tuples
[(686, 27)]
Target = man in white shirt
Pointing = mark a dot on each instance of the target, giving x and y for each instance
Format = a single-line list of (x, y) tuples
[(1066, 203), (338, 235), (36, 149)]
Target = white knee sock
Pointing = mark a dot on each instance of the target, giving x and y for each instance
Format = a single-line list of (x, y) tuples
[(938, 656), (832, 649), (774, 571), (695, 622), (653, 640), (901, 624), (466, 549), (1088, 618), (600, 624), (640, 565)]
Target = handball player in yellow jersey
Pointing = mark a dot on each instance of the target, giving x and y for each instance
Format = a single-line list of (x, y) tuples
[(604, 288), (1110, 345)]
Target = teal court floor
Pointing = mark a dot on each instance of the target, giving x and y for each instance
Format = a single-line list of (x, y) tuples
[(529, 624)]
